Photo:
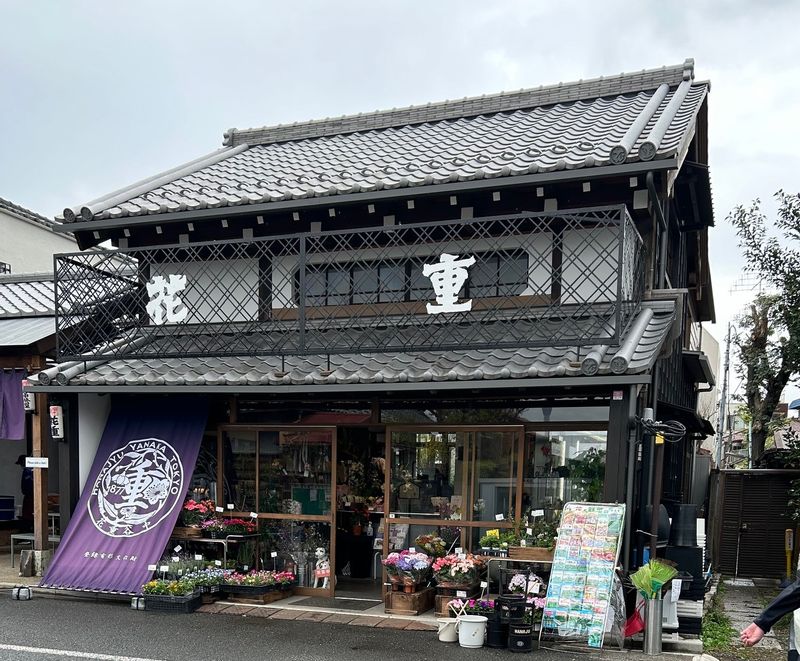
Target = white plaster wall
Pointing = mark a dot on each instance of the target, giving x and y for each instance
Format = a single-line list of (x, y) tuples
[(217, 290), (29, 247), (92, 415)]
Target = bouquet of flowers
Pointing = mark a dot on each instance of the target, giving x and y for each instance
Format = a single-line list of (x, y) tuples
[(161, 586), (410, 567), (527, 584), (453, 570), (223, 527), (432, 544), (194, 512)]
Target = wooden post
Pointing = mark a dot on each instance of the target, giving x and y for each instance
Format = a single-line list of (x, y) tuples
[(40, 441)]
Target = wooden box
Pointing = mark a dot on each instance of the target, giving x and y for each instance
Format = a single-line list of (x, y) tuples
[(410, 603), (531, 553), (264, 598), (442, 600)]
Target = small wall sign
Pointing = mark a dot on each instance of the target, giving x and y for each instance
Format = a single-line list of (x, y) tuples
[(37, 462), (56, 422), (28, 398)]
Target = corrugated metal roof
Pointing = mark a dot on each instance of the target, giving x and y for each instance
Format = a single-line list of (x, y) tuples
[(25, 331), (31, 295), (628, 118)]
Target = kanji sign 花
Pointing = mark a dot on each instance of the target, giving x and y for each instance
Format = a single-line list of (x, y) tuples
[(448, 277), (164, 305)]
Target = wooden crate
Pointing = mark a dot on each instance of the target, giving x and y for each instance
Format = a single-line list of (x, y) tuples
[(443, 599), (410, 603), (266, 598), (531, 553)]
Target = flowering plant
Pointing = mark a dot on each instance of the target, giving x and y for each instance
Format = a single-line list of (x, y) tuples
[(229, 526), (456, 569), (534, 614), (261, 578), (162, 586), (471, 606), (543, 534), (207, 577), (196, 511), (527, 584), (432, 545), (416, 566)]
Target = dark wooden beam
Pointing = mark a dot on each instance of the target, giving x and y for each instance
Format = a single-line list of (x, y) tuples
[(41, 437)]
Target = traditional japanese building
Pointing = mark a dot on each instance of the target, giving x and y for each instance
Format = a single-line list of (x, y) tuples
[(439, 316)]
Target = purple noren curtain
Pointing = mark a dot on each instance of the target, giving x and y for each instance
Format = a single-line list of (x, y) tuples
[(12, 414), (133, 495)]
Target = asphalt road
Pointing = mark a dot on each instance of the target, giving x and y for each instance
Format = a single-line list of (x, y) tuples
[(48, 629)]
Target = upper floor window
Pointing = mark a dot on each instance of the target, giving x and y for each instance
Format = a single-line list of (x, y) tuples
[(499, 273), (5, 268)]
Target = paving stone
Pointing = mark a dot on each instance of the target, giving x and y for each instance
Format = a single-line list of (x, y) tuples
[(213, 608), (262, 612), (238, 610), (413, 625), (340, 618), (285, 614), (313, 616), (392, 624), (363, 621)]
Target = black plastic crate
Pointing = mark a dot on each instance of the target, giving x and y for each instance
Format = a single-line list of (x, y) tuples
[(163, 603)]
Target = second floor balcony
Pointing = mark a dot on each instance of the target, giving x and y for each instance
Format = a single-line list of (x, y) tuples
[(537, 279)]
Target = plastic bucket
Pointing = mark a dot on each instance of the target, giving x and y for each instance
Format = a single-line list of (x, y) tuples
[(471, 630), (447, 629)]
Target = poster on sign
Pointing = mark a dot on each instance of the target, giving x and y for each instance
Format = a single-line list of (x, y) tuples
[(132, 497)]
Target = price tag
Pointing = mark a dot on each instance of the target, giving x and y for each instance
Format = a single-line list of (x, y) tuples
[(198, 556), (274, 554), (180, 572), (246, 567), (534, 588), (253, 515), (529, 531), (535, 513), (391, 516), (152, 567), (175, 558), (219, 509), (218, 563), (305, 473), (677, 584), (522, 542), (461, 594), (484, 585), (462, 556), (163, 568), (459, 550), (230, 506), (178, 548), (499, 517), (411, 549)]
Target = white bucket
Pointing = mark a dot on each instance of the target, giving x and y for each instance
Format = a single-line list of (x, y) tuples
[(471, 630), (447, 629)]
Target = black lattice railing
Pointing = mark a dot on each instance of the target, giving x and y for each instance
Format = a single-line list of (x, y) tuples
[(543, 279)]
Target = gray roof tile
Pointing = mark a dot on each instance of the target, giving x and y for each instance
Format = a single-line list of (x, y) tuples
[(568, 126), (412, 367), (30, 295), (21, 212)]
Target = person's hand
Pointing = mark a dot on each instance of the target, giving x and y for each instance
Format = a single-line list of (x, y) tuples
[(751, 635)]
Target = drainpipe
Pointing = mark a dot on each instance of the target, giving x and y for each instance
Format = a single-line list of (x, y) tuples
[(655, 466)]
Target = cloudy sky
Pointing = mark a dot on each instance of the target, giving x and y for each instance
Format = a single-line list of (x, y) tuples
[(95, 95)]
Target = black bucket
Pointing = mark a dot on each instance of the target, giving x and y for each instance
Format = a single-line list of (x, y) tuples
[(510, 607), (683, 531), (496, 633), (520, 637)]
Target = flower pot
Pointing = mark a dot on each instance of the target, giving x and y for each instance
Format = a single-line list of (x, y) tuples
[(653, 610), (471, 630), (447, 629)]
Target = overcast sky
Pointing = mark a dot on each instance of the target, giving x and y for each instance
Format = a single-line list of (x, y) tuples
[(95, 94)]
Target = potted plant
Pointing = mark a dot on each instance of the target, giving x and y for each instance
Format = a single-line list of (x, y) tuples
[(649, 580), (431, 544), (456, 571), (407, 571), (171, 596), (536, 541), (194, 512), (259, 582)]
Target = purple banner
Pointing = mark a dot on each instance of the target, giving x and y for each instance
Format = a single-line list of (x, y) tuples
[(12, 411), (133, 495)]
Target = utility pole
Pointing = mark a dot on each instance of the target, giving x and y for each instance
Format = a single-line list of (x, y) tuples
[(723, 402)]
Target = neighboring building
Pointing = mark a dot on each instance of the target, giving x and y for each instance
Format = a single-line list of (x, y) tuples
[(708, 400), (479, 280), (29, 240)]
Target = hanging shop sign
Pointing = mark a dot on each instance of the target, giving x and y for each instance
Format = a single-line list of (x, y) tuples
[(447, 278), (164, 305), (581, 587), (57, 422), (28, 398), (132, 496)]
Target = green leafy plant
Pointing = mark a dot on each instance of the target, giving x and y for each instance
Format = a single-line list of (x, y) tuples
[(650, 578)]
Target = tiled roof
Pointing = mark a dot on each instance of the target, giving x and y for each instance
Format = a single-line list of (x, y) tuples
[(627, 118), (27, 214), (25, 331), (640, 349), (30, 295)]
